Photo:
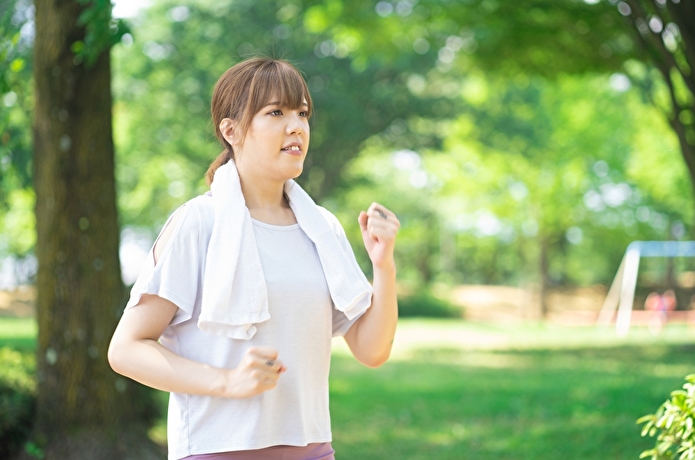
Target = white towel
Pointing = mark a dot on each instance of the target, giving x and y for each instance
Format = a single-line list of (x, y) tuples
[(235, 297)]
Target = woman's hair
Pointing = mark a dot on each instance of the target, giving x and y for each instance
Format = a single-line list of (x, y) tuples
[(245, 89)]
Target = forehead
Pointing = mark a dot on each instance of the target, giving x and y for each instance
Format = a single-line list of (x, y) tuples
[(287, 88)]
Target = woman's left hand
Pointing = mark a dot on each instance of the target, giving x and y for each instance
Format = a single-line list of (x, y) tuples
[(379, 228)]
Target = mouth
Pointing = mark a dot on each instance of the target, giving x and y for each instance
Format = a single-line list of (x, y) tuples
[(292, 149)]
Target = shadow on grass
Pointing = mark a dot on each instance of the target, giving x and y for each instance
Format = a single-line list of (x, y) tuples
[(532, 404)]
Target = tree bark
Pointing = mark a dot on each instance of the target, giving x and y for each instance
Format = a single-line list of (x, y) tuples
[(83, 407)]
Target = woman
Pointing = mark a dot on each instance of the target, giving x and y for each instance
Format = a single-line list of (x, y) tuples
[(235, 308)]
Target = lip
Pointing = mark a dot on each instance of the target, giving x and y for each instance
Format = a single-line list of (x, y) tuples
[(293, 152)]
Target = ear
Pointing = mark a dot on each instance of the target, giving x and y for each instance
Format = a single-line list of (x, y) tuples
[(228, 130)]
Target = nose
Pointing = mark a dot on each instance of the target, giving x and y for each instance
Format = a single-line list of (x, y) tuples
[(296, 124)]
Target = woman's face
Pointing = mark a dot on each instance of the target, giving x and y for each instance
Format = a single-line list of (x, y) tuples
[(276, 142)]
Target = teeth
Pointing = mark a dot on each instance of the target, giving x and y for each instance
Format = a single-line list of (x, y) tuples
[(293, 147)]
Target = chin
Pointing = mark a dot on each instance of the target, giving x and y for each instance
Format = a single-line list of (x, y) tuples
[(298, 173)]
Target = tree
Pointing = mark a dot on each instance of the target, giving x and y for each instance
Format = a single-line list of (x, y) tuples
[(164, 80), (380, 70), (589, 36), (17, 236), (537, 181), (664, 32), (84, 410)]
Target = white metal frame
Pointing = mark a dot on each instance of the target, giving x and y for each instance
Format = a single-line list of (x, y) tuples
[(621, 294)]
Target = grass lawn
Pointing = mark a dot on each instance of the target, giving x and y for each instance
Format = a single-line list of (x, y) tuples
[(528, 392), (18, 333), (456, 390)]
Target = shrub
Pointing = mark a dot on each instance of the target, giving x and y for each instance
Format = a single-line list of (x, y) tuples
[(426, 304), (673, 421), (17, 399)]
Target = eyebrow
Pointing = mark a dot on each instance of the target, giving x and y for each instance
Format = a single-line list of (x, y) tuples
[(304, 104)]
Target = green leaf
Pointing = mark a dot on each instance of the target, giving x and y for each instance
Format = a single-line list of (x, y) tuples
[(77, 47), (645, 418), (17, 65)]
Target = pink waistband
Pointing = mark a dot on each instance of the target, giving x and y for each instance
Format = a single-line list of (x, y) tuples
[(318, 451)]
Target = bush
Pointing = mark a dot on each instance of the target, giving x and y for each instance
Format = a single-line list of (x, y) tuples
[(17, 399), (427, 305), (673, 421)]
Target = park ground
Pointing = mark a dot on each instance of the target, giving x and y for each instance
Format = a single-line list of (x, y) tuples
[(482, 389)]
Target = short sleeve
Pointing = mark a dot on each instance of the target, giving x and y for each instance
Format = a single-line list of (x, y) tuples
[(341, 324), (177, 275)]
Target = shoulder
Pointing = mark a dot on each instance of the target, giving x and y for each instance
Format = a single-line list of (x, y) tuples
[(332, 220), (191, 223), (194, 215), (203, 209)]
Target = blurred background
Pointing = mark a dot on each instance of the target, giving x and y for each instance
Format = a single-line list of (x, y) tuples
[(520, 147), (523, 145)]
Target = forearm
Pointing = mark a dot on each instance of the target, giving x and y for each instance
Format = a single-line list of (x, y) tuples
[(136, 353), (373, 334), (154, 365)]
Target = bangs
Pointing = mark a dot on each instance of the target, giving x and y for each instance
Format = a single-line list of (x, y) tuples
[(244, 89), (277, 81)]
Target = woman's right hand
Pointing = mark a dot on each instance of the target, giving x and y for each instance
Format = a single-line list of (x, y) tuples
[(258, 371)]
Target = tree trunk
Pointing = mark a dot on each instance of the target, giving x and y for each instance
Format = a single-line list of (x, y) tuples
[(83, 407)]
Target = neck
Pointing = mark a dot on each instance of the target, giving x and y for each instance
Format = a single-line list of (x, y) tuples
[(265, 199), (258, 195)]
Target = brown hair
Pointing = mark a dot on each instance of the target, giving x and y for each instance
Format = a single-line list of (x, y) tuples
[(245, 89)]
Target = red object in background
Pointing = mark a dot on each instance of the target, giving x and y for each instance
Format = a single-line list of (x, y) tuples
[(661, 302)]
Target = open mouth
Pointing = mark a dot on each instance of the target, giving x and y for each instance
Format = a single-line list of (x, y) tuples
[(291, 148)]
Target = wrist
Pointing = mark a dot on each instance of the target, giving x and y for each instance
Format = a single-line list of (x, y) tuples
[(385, 268), (222, 386)]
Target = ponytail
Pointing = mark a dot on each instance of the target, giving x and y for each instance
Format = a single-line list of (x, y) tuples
[(221, 159)]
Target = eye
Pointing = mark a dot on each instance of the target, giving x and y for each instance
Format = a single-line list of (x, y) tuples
[(276, 112), (304, 113)]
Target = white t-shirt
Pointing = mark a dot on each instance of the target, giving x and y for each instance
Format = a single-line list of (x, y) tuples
[(302, 322)]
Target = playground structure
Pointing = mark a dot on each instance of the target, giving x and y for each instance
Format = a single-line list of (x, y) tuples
[(621, 294)]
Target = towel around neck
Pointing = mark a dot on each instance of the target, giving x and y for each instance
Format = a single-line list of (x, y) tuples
[(233, 309)]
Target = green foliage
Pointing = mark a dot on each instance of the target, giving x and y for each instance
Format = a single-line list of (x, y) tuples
[(17, 236), (10, 60), (673, 424), (17, 399), (16, 97), (526, 36), (455, 82), (164, 81), (101, 31), (568, 163), (426, 304)]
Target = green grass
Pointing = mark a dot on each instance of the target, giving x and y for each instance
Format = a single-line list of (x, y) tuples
[(456, 390), (18, 333), (543, 393)]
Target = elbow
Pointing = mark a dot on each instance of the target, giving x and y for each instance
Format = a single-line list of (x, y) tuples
[(376, 360), (116, 357)]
